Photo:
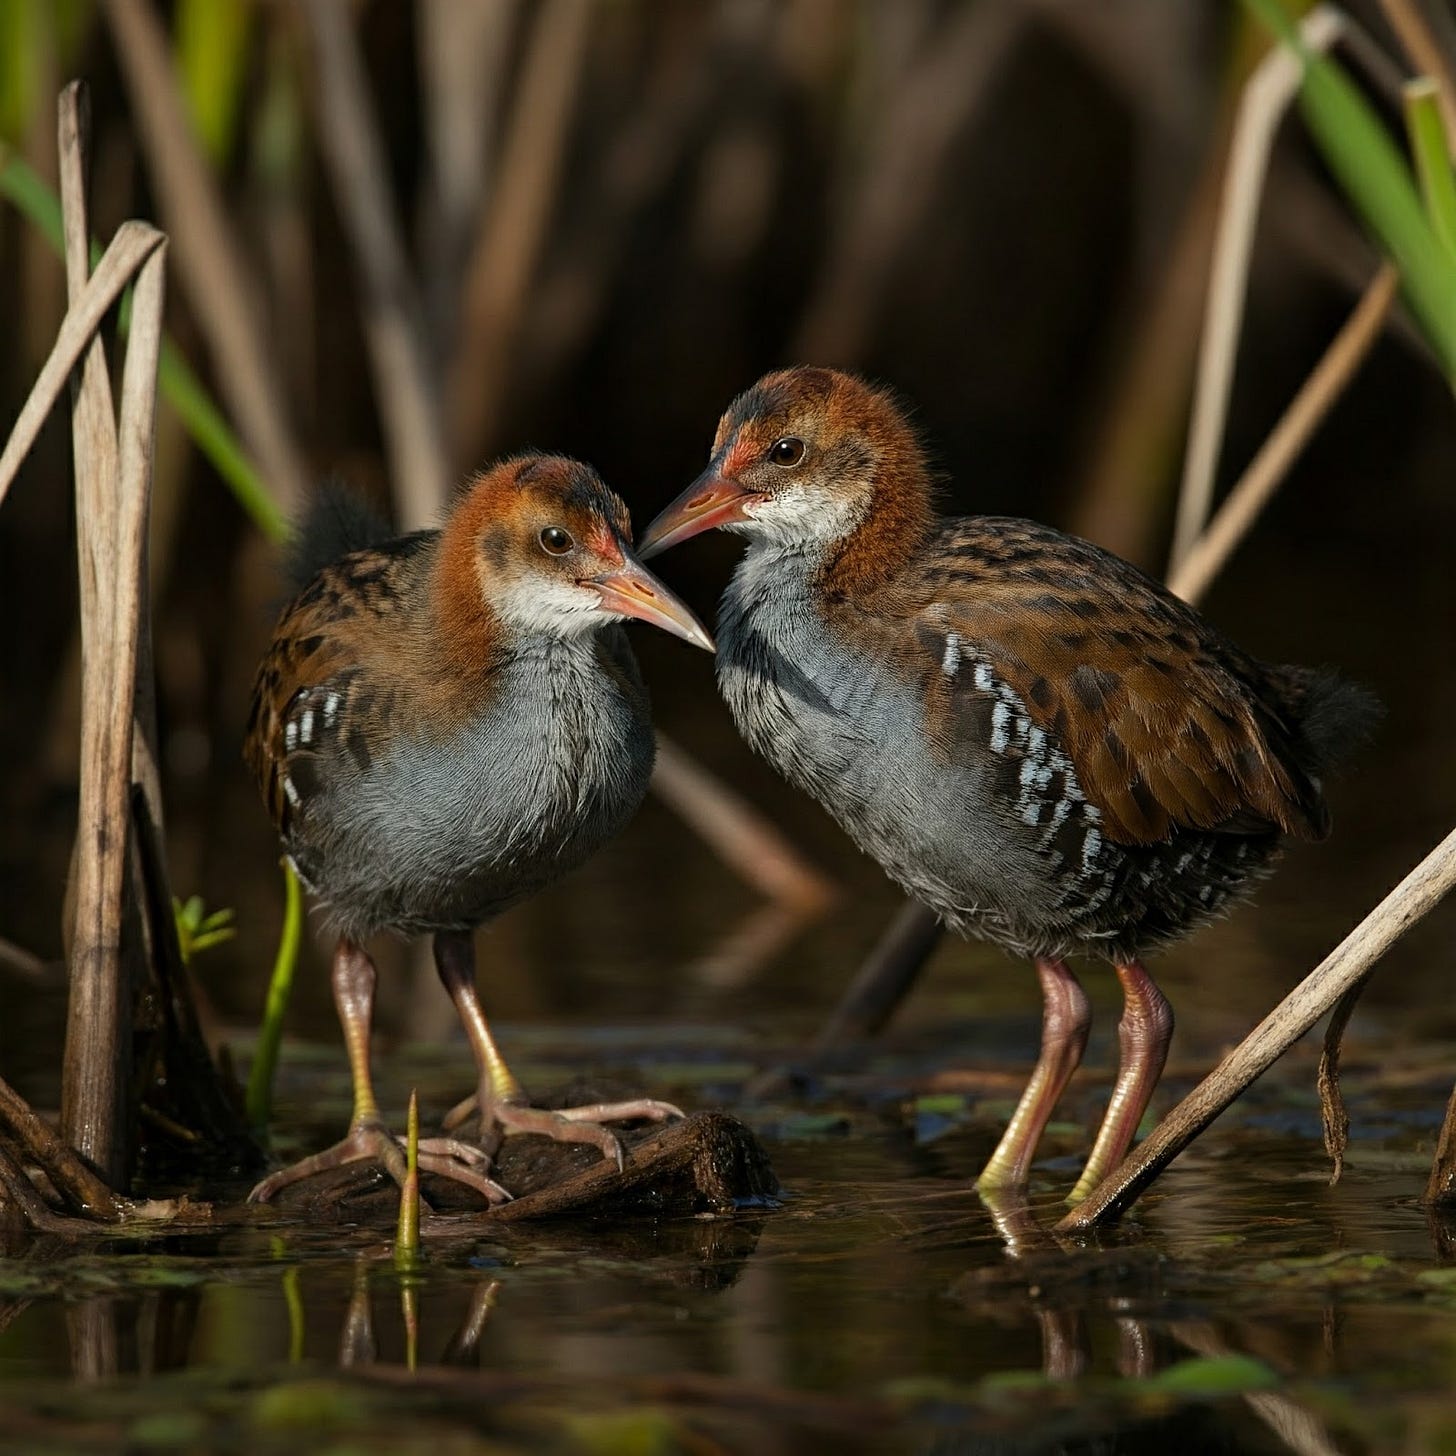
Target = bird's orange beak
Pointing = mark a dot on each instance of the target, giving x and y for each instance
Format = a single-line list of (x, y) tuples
[(633, 591), (711, 500)]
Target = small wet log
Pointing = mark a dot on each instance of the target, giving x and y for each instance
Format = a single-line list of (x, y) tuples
[(707, 1163), (1441, 1190)]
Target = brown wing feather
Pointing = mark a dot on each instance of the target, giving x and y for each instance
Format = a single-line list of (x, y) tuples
[(1167, 724), (320, 690)]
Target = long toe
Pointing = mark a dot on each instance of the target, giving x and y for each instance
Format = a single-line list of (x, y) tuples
[(646, 1108), (364, 1141), (561, 1127), (449, 1147), (457, 1171)]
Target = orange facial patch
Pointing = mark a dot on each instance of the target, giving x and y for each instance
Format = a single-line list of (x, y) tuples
[(743, 452), (602, 541)]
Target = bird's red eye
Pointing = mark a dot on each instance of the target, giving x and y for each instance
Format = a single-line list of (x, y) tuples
[(556, 541), (787, 452)]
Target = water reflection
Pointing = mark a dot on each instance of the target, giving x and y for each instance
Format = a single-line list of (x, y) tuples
[(885, 1306)]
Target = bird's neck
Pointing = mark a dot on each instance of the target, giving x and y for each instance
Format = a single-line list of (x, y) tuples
[(466, 635), (897, 525)]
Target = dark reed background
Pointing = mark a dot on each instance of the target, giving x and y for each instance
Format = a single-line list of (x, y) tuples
[(1002, 208)]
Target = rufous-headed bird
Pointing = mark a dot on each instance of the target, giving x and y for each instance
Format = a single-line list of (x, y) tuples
[(1034, 739), (443, 724)]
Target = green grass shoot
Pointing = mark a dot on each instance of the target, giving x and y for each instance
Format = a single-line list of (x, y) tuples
[(1374, 175), (280, 989), (197, 931), (407, 1234), (1433, 162)]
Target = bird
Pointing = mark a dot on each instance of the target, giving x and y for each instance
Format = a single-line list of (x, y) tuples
[(1038, 742), (442, 724)]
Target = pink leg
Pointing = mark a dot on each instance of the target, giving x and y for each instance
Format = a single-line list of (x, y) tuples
[(1143, 1035), (1066, 1017)]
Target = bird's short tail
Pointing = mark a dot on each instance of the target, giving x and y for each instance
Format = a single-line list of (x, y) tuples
[(336, 521), (1334, 716)]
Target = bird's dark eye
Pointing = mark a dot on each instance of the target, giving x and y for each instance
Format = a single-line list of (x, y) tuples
[(556, 541), (787, 452)]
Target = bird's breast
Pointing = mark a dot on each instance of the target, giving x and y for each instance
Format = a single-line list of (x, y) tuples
[(844, 724), (448, 830)]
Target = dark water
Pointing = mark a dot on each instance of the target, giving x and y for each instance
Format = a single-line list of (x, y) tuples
[(1246, 1307)]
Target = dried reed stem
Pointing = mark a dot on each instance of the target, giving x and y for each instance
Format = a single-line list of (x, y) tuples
[(213, 269), (111, 941), (464, 51), (888, 197), (884, 978), (737, 832), (97, 1063), (394, 320), (128, 249), (1198, 566), (1416, 895), (24, 963), (509, 242), (1266, 98), (98, 1059)]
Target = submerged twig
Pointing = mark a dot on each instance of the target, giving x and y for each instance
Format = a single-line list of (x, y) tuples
[(1416, 895)]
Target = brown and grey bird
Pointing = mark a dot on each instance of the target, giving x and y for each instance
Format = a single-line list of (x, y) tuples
[(443, 724), (1034, 739)]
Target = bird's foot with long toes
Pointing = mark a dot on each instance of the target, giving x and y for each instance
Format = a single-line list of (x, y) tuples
[(506, 1117), (369, 1140)]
